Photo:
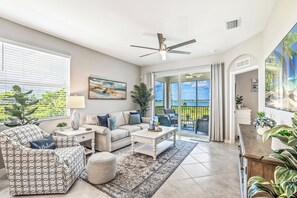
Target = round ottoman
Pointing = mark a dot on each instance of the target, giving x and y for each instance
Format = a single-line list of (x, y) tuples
[(101, 167)]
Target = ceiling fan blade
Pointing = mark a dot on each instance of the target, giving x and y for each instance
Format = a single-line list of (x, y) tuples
[(161, 39), (148, 54), (179, 52), (181, 44), (144, 47)]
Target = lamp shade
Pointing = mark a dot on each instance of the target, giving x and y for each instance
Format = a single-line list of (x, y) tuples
[(76, 102)]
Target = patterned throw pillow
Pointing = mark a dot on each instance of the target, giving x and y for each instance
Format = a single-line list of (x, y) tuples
[(112, 123), (103, 120), (135, 119), (45, 143)]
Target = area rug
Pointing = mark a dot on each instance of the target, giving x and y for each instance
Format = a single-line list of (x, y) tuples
[(138, 175)]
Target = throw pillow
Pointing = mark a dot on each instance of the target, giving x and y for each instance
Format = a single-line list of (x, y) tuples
[(44, 143), (112, 123), (138, 112), (135, 119), (103, 120)]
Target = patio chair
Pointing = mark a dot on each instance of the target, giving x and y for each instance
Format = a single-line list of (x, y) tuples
[(40, 171), (172, 116), (202, 124)]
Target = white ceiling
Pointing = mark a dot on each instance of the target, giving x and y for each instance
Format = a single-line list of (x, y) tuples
[(111, 26)]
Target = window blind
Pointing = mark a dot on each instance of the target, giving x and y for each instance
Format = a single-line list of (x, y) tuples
[(48, 75)]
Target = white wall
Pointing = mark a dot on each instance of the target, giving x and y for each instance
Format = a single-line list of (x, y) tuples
[(84, 62), (244, 88)]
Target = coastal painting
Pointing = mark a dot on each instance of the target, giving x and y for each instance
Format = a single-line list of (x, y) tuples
[(281, 74), (103, 89)]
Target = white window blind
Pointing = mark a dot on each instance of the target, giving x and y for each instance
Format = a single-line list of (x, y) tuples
[(45, 73)]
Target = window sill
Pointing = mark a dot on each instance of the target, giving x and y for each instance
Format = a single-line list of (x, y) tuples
[(47, 119)]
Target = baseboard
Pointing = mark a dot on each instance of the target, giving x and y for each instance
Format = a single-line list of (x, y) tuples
[(227, 141)]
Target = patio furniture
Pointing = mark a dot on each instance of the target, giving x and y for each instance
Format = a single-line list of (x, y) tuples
[(186, 122), (173, 117), (202, 124), (40, 171)]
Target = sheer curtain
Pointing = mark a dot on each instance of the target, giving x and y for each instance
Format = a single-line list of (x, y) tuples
[(217, 103)]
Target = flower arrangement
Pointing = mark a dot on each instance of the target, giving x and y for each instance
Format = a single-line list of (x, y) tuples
[(263, 121)]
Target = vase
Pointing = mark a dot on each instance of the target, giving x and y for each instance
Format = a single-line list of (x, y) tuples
[(261, 130), (239, 106), (276, 144)]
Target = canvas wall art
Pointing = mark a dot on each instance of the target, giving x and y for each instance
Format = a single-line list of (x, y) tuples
[(281, 74), (107, 89)]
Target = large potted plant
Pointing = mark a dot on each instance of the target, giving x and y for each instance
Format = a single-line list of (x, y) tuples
[(285, 177), (20, 112), (142, 96), (239, 100), (263, 123)]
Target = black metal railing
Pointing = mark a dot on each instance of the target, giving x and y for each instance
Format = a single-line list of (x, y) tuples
[(187, 112)]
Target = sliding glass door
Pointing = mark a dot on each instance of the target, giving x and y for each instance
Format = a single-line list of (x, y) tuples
[(184, 101)]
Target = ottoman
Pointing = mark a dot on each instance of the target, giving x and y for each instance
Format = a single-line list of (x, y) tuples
[(101, 167)]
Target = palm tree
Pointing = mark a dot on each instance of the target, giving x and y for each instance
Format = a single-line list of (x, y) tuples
[(142, 96)]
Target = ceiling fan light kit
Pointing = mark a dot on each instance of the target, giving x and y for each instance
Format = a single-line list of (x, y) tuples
[(163, 49)]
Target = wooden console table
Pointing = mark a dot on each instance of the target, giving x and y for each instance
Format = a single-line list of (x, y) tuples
[(252, 157)]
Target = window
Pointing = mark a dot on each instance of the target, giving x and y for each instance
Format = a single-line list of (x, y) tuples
[(45, 73), (159, 97)]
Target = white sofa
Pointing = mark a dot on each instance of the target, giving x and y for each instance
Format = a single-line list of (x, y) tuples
[(110, 140)]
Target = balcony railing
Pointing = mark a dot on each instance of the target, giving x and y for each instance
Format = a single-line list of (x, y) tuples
[(193, 112)]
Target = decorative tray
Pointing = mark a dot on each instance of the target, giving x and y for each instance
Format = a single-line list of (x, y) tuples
[(156, 130)]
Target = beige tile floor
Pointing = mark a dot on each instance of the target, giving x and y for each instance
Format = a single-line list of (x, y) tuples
[(210, 171)]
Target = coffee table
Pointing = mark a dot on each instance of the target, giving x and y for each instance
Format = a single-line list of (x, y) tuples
[(154, 142)]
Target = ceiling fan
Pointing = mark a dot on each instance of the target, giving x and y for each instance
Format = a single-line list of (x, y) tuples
[(163, 49)]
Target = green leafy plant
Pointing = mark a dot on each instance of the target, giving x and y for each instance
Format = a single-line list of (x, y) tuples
[(20, 111), (263, 121), (285, 178), (62, 124), (238, 99), (142, 96)]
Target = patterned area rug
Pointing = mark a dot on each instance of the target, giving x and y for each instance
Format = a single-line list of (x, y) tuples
[(138, 175)]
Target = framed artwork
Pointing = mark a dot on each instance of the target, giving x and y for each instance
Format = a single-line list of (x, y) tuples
[(254, 85), (103, 89), (281, 74)]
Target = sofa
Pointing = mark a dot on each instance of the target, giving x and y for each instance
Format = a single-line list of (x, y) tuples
[(110, 140), (40, 171)]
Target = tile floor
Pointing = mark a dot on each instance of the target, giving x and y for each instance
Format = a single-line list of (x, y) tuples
[(209, 171)]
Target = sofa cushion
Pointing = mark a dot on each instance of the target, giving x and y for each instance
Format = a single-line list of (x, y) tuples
[(135, 119), (44, 143), (142, 125), (137, 113), (92, 119), (103, 120), (130, 128), (119, 134), (119, 116), (127, 116), (112, 123)]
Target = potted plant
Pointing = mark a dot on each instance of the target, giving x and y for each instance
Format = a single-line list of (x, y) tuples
[(263, 123), (142, 96), (22, 108), (285, 177), (61, 125), (239, 100)]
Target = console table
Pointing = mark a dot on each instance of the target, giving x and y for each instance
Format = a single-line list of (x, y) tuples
[(252, 157)]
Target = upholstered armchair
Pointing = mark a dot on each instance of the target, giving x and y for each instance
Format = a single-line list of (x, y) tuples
[(40, 171), (202, 124), (172, 116)]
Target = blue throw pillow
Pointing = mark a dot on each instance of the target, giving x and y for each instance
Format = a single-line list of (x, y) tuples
[(138, 112), (45, 143), (135, 119), (103, 120), (112, 123)]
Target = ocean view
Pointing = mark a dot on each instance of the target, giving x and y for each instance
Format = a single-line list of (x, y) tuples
[(189, 103)]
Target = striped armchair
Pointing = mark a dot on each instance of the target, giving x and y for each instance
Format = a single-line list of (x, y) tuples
[(40, 171)]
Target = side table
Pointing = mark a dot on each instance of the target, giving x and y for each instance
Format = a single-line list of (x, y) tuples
[(82, 136)]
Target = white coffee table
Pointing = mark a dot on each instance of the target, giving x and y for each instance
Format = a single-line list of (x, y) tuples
[(154, 142), (82, 136)]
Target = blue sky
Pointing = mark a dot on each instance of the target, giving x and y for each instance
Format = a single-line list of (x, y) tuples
[(188, 90)]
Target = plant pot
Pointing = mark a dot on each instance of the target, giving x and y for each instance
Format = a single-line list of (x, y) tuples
[(261, 130), (239, 106), (276, 144)]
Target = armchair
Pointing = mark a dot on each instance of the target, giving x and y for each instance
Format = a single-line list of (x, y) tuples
[(40, 171), (172, 116), (202, 124)]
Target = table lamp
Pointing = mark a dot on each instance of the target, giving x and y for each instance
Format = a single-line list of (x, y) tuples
[(75, 103)]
